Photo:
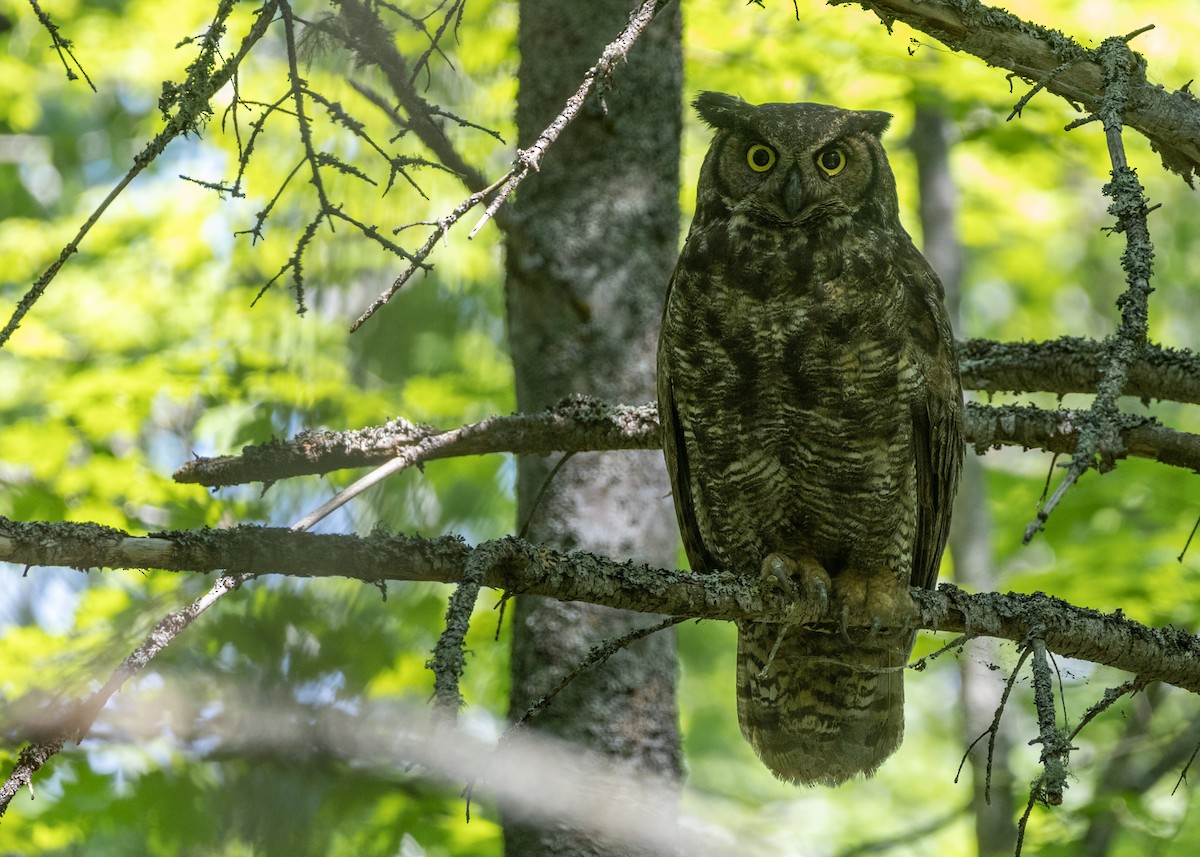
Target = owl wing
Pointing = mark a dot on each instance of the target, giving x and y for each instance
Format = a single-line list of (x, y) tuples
[(675, 446), (937, 414)]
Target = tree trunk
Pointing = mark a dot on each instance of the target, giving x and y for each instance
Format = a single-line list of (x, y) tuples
[(591, 246), (971, 534)]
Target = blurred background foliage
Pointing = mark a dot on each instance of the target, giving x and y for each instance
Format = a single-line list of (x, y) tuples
[(146, 350)]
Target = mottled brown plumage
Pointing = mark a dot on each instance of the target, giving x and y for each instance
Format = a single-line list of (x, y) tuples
[(812, 419)]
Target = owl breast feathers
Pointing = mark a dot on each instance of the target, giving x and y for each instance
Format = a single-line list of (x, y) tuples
[(812, 418)]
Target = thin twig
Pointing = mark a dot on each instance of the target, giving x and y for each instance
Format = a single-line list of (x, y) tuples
[(1024, 822), (920, 663), (909, 837), (531, 158), (74, 725), (1188, 543), (993, 730), (418, 262), (598, 655), (527, 159), (62, 45), (414, 455), (373, 45)]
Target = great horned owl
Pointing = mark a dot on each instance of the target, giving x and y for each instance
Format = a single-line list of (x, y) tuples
[(812, 419)]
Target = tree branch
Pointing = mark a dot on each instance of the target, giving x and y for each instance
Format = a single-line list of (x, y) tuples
[(62, 45), (580, 424), (1154, 654), (1047, 58), (1072, 364), (587, 425)]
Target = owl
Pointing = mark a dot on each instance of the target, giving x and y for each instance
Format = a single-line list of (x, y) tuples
[(812, 420)]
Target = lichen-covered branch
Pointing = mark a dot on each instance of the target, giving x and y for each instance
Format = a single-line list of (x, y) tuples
[(1058, 431), (1072, 364), (1120, 70), (1051, 60), (587, 425), (577, 425), (1056, 743), (1169, 655)]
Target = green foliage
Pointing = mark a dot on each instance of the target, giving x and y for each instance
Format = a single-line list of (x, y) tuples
[(145, 349)]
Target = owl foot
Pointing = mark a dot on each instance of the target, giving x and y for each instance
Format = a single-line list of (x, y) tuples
[(878, 603), (872, 632), (805, 579)]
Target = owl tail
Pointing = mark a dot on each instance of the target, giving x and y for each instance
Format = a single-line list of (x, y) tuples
[(817, 708)]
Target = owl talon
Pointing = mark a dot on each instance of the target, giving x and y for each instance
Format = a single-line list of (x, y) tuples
[(805, 579), (872, 632)]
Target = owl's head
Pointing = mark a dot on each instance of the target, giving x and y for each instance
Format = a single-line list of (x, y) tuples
[(795, 165)]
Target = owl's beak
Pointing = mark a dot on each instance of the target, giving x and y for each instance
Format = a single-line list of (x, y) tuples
[(793, 193)]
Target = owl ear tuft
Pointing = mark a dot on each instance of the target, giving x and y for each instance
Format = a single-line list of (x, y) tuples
[(875, 121), (721, 110)]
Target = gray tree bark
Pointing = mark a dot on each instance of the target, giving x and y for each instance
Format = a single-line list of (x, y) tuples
[(971, 534), (590, 248)]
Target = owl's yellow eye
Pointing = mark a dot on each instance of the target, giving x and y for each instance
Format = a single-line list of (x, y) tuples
[(760, 158), (832, 161)]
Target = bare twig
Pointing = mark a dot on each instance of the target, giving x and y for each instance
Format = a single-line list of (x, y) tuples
[(909, 837), (993, 728), (372, 45), (62, 45), (417, 260), (531, 158), (1110, 696), (956, 644), (598, 655)]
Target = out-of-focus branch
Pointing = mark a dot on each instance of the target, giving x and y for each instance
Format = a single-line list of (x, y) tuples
[(374, 45)]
